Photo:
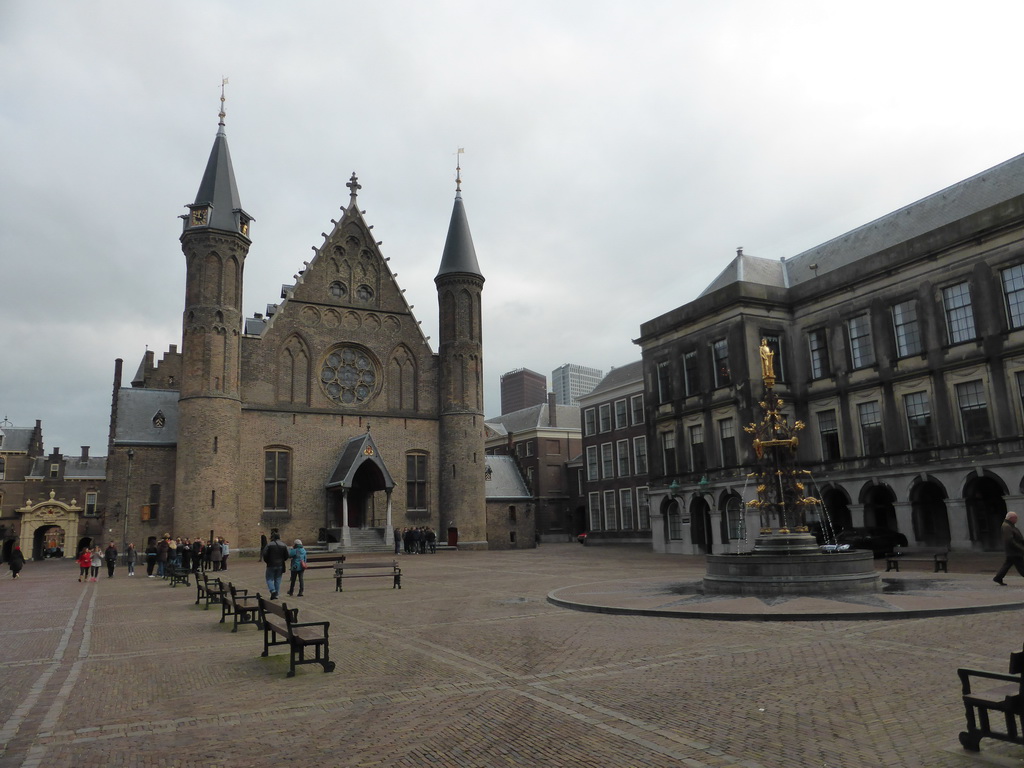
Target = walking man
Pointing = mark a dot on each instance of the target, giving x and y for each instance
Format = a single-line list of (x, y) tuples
[(1013, 543), (275, 555)]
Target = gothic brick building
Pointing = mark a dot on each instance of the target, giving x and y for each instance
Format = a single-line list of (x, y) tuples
[(329, 417)]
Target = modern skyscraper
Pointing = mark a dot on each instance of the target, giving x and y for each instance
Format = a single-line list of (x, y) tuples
[(570, 382), (522, 388)]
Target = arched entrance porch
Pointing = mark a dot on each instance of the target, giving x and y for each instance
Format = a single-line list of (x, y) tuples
[(354, 498), (49, 524)]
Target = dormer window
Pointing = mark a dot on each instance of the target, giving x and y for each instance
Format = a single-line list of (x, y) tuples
[(159, 420)]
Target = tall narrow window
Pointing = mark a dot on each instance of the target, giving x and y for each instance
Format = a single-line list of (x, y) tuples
[(3, 467), (1013, 290), (607, 462), (589, 422), (593, 467), (973, 411), (817, 341), (90, 502), (416, 481), (594, 503), (275, 479), (626, 508), (640, 455), (870, 415), (698, 457), (956, 299), (643, 509), (664, 382), (154, 501), (908, 332), (919, 420), (862, 351), (720, 352), (622, 457), (828, 431), (621, 415), (636, 404), (611, 522), (668, 452), (604, 422), (691, 377), (727, 438)]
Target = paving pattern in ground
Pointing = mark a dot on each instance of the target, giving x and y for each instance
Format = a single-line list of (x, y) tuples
[(470, 665)]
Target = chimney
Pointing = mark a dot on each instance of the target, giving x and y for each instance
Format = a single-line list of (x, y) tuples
[(552, 415), (85, 453)]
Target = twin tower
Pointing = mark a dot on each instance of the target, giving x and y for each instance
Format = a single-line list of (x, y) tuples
[(330, 414)]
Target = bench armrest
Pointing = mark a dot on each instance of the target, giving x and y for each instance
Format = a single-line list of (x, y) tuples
[(966, 675), (297, 625)]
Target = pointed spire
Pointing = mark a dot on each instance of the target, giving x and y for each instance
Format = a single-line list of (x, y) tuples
[(459, 253), (217, 205)]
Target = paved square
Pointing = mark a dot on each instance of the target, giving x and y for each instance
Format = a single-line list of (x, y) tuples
[(469, 665)]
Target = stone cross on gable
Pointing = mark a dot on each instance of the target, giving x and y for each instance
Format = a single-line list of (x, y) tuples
[(354, 186)]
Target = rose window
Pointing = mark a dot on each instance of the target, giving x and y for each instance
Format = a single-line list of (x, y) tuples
[(348, 376)]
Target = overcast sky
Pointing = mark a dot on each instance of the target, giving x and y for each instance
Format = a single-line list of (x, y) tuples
[(616, 155)]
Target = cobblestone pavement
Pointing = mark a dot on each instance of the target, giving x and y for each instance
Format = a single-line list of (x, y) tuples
[(470, 665)]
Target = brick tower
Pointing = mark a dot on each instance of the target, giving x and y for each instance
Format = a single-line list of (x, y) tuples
[(461, 403), (215, 241)]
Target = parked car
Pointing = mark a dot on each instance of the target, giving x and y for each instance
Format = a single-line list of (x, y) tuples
[(881, 541), (53, 552), (582, 538)]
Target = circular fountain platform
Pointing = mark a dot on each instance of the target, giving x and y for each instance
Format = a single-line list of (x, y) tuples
[(790, 564)]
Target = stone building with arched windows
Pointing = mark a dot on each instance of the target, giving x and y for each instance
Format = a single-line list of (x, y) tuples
[(900, 346), (328, 417)]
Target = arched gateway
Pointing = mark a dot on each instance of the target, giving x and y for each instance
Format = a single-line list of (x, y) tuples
[(353, 492), (49, 527)]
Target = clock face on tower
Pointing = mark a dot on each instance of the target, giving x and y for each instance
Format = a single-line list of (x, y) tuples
[(198, 217)]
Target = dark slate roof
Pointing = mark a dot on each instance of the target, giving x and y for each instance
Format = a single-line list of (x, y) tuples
[(749, 269), (617, 377), (16, 439), (965, 198), (94, 468), (136, 409), (218, 188), (459, 253), (357, 451), (535, 417), (506, 481)]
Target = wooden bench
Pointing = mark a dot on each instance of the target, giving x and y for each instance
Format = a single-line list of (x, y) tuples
[(937, 556), (323, 561), (1007, 700), (177, 575), (280, 621), (387, 570), (241, 606), (207, 589)]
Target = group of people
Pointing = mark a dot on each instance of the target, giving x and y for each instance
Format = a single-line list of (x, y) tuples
[(191, 554), (90, 561), (416, 541), (276, 555)]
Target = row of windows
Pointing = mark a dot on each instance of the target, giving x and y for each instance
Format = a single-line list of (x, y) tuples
[(958, 313), (971, 404), (277, 476), (613, 460), (600, 419), (616, 511), (721, 369)]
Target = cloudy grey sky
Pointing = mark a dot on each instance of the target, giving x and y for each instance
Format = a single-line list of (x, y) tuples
[(616, 155)]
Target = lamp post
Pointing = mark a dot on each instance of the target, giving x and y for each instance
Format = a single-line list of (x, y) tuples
[(127, 496)]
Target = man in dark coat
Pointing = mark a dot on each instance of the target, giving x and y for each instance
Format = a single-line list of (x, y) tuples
[(110, 558), (16, 562), (1013, 543), (275, 555)]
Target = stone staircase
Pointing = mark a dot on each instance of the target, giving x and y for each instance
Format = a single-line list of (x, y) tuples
[(363, 540)]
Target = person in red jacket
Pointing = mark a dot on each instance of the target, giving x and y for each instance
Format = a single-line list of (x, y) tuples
[(84, 564)]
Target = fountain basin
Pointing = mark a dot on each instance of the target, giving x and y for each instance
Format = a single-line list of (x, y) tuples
[(760, 574)]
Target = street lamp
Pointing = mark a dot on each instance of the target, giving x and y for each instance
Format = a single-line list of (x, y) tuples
[(127, 507)]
